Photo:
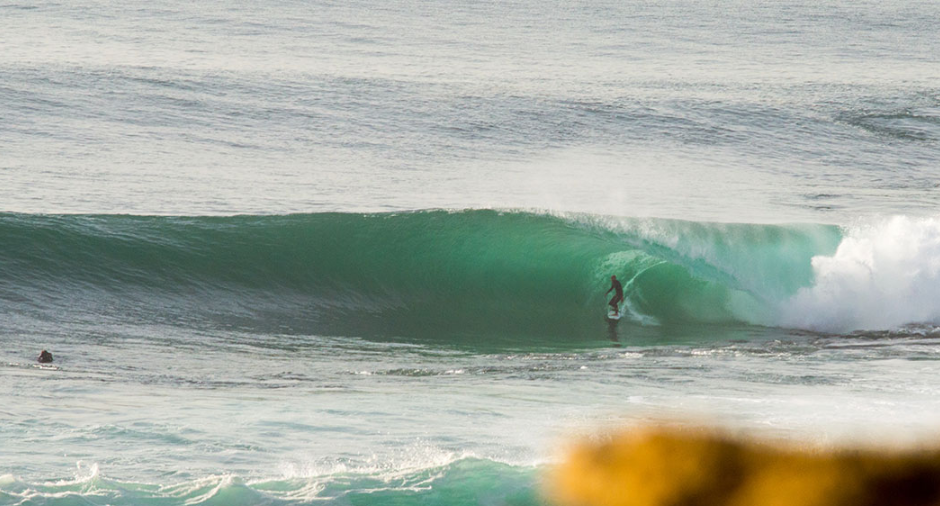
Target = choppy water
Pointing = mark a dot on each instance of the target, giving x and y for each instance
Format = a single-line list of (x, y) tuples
[(762, 175), (739, 111)]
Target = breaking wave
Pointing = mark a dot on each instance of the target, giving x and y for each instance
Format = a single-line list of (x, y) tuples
[(476, 271)]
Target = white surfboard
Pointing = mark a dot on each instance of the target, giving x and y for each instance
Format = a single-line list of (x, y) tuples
[(611, 315)]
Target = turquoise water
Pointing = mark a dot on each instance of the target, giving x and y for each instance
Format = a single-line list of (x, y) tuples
[(303, 252), (409, 274)]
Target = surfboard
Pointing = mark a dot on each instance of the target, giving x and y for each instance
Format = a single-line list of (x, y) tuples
[(611, 315)]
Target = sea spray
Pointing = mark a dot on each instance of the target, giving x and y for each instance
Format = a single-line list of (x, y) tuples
[(885, 274)]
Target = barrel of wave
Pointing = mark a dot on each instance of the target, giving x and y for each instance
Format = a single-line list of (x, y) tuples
[(665, 466)]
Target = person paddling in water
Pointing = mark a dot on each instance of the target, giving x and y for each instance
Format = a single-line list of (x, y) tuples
[(618, 296)]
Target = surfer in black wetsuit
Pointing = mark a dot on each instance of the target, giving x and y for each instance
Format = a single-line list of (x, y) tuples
[(618, 296)]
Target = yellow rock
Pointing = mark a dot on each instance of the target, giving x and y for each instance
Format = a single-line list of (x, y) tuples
[(698, 467)]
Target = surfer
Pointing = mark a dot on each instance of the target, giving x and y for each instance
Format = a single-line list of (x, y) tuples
[(45, 357), (618, 296)]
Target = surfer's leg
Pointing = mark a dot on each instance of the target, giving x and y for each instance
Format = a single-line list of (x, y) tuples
[(615, 303)]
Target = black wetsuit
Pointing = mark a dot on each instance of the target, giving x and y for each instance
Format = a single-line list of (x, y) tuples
[(615, 285)]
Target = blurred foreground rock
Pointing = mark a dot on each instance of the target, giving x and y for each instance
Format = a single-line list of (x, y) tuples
[(695, 467)]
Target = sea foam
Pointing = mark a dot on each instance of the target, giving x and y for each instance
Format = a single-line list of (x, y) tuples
[(885, 274)]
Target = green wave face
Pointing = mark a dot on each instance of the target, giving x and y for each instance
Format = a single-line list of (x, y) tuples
[(420, 273)]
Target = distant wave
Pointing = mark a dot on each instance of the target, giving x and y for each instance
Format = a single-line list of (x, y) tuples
[(478, 271)]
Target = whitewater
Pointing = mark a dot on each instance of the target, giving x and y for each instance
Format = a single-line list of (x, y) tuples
[(301, 252)]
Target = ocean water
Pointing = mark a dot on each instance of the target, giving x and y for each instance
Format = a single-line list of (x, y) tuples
[(303, 252)]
